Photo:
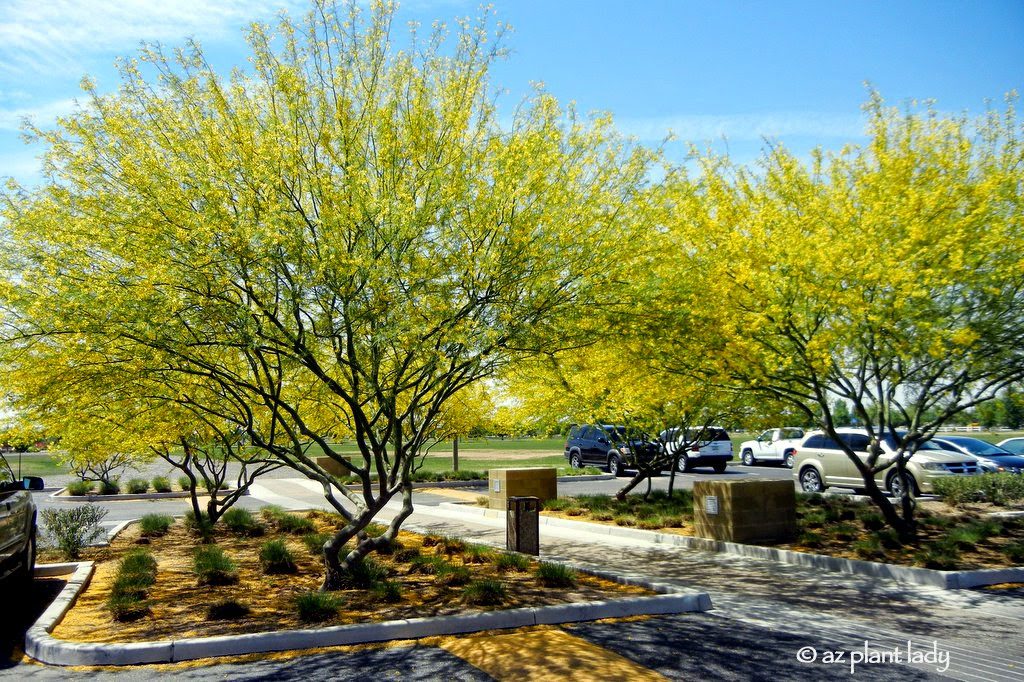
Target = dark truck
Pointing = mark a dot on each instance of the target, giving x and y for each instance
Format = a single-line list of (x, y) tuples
[(17, 525), (608, 446)]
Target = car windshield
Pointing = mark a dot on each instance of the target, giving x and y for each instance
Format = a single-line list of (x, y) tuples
[(976, 446), (792, 433)]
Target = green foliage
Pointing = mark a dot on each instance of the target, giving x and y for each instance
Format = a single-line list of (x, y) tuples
[(242, 522), (227, 609), (137, 486), (478, 554), (485, 593), (213, 567), (387, 591), (275, 557), (451, 575), (363, 574), (314, 542), (999, 489), (201, 527), (162, 484), (184, 483), (555, 575), (427, 565), (872, 521), (272, 512), (72, 529), (79, 488), (294, 524), (406, 555), (153, 525), (510, 561), (136, 572), (110, 487), (316, 607)]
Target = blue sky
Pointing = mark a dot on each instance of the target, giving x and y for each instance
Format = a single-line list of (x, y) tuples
[(725, 73)]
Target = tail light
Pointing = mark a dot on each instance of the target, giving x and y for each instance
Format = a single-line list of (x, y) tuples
[(694, 448)]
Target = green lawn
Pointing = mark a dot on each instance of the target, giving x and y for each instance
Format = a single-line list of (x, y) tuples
[(35, 464), (467, 463)]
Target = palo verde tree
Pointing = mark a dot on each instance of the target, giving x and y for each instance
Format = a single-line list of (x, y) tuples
[(342, 236), (889, 276)]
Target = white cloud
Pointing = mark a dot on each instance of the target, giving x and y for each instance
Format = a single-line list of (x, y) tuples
[(739, 127), (10, 119), (55, 35)]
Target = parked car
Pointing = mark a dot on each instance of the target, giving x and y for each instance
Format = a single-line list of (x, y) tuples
[(18, 528), (821, 463), (1014, 445), (773, 445), (993, 458), (608, 446), (698, 447)]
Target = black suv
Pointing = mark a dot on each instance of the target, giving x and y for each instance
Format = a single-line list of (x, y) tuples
[(18, 527), (607, 446)]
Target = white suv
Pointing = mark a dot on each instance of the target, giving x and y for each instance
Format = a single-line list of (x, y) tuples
[(821, 463)]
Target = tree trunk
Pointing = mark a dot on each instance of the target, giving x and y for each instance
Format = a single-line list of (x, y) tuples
[(455, 454)]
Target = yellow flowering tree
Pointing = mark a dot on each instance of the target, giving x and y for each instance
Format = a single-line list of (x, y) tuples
[(888, 275), (342, 235)]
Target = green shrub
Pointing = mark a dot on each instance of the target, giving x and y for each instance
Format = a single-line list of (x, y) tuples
[(153, 525), (872, 521), (138, 562), (406, 555), (229, 609), (295, 525), (209, 486), (242, 522), (559, 504), (941, 557), (478, 554), (845, 531), (812, 539), (213, 567), (275, 557), (387, 591), (363, 573), (73, 529), (79, 488), (625, 520), (452, 574), (201, 527), (316, 607), (314, 542), (184, 483), (510, 561), (138, 486), (427, 565), (162, 484), (110, 487), (869, 547), (451, 545), (999, 489), (1015, 552), (127, 606), (272, 512), (555, 575), (485, 593)]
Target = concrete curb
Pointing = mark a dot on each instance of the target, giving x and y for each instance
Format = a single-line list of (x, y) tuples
[(482, 482), (42, 646), (62, 496), (949, 580)]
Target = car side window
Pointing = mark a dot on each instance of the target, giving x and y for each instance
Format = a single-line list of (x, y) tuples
[(858, 442)]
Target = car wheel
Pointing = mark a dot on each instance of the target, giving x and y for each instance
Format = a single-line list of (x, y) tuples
[(575, 461), (614, 465), (719, 467), (810, 481), (896, 486), (748, 458), (683, 464), (789, 459)]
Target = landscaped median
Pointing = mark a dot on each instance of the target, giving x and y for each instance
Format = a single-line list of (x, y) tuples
[(957, 548), (168, 597)]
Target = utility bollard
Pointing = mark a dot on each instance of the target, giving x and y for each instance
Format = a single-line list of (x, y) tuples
[(523, 529)]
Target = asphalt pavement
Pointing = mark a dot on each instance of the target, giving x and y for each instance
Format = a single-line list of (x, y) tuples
[(769, 620)]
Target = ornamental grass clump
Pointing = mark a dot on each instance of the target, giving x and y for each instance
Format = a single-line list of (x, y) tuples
[(512, 562), (241, 522), (315, 542), (155, 525), (137, 486), (363, 573), (136, 573), (184, 483), (276, 558), (485, 592), (555, 575), (80, 488), (162, 484), (451, 575), (213, 567), (387, 591), (316, 607)]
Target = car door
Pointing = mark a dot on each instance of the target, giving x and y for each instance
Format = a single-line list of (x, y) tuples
[(764, 449), (11, 531), (859, 443)]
